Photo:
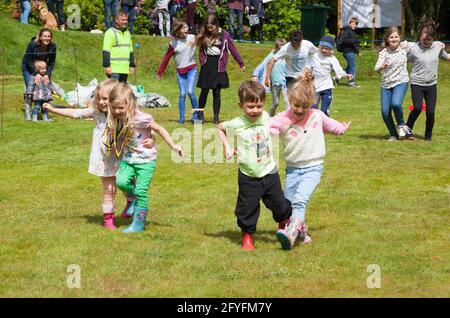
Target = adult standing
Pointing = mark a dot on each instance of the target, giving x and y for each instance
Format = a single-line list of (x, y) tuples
[(39, 48), (391, 62), (110, 8), (118, 56), (191, 5), (25, 9), (129, 7), (256, 7), (297, 53), (59, 12), (236, 10), (349, 44), (424, 56)]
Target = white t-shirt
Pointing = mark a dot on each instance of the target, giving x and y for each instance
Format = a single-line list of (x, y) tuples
[(322, 66), (296, 60)]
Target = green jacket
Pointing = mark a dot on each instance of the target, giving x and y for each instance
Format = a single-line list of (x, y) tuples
[(118, 51)]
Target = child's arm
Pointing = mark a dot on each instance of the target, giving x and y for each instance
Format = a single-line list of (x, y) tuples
[(277, 123), (229, 152), (381, 62), (165, 61), (331, 126), (166, 137), (340, 73), (67, 112)]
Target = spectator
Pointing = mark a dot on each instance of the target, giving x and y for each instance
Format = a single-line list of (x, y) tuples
[(40, 48), (129, 7), (253, 7), (236, 8), (163, 16), (25, 9), (110, 8), (349, 44), (59, 10), (191, 5)]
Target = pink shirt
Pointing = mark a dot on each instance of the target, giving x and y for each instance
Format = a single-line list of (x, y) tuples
[(236, 4), (136, 153)]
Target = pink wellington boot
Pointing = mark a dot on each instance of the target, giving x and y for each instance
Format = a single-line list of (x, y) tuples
[(247, 242), (108, 221)]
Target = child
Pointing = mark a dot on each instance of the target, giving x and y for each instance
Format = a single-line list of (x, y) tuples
[(41, 92), (127, 128), (322, 63), (277, 77), (183, 49), (163, 15), (258, 176), (301, 130), (101, 164), (214, 46)]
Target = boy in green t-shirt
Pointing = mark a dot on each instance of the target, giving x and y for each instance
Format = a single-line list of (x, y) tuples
[(258, 176)]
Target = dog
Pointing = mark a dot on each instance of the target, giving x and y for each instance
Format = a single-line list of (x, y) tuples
[(47, 18)]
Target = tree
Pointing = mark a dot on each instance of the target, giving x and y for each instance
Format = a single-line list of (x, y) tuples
[(418, 11)]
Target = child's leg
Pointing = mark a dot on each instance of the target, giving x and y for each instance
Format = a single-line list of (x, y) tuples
[(192, 75), (327, 98), (202, 102), (144, 175), (216, 104), (167, 18), (316, 104), (37, 107), (182, 83), (285, 97), (161, 22), (109, 191), (275, 98), (124, 179), (274, 198)]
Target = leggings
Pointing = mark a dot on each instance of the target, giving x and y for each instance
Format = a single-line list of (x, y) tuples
[(419, 93), (216, 99)]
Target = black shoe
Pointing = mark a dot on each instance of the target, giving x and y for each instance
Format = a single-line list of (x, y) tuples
[(216, 120)]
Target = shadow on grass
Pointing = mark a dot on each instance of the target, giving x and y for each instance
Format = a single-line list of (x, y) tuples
[(386, 137), (118, 221)]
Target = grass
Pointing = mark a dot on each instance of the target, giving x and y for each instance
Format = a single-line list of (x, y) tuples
[(378, 203)]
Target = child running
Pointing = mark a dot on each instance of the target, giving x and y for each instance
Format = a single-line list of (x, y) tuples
[(127, 128), (40, 92), (258, 176), (183, 48), (277, 77), (322, 63), (301, 130), (100, 164)]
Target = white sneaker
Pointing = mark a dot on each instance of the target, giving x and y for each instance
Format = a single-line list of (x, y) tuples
[(392, 138), (401, 131)]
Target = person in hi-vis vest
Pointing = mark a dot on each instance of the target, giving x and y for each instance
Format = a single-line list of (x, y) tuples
[(118, 56)]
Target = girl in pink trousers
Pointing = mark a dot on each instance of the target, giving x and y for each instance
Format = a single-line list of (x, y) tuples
[(301, 131)]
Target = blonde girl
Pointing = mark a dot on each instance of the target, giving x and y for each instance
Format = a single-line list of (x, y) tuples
[(127, 128)]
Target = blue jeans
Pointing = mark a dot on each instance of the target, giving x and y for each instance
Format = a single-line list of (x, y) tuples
[(327, 97), (350, 57), (300, 184), (391, 100), (38, 107), (240, 16), (26, 78), (122, 78), (59, 9), (110, 7), (131, 16), (187, 80), (25, 9)]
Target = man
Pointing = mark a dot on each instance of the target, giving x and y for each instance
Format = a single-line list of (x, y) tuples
[(118, 56), (236, 9), (349, 44)]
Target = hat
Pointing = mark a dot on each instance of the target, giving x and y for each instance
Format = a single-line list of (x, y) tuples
[(327, 41)]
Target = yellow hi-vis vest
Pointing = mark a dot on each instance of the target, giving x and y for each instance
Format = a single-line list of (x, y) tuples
[(119, 46)]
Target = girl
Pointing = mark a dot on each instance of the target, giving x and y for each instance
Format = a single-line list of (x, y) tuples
[(425, 55), (214, 46), (40, 91), (255, 7), (183, 48), (277, 76), (322, 63), (301, 130), (127, 128), (394, 81)]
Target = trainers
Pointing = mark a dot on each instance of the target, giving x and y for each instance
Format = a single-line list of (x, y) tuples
[(403, 130), (392, 138), (354, 85), (304, 236), (409, 136)]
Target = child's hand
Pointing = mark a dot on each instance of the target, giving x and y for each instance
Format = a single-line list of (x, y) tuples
[(178, 150), (230, 152), (159, 77), (346, 125), (254, 78), (47, 106), (349, 77), (267, 82), (242, 69), (149, 143), (38, 79)]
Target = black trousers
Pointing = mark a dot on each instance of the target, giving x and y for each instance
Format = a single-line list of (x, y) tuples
[(251, 191), (419, 93)]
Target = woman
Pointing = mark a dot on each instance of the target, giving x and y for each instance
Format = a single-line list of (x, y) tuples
[(214, 45), (39, 48), (394, 81), (424, 56)]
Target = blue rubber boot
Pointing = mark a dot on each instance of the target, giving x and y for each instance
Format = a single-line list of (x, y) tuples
[(139, 218), (128, 211)]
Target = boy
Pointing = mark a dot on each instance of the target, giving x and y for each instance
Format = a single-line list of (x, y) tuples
[(349, 44), (258, 176)]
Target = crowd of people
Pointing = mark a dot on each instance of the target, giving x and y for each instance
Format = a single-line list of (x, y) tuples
[(123, 150)]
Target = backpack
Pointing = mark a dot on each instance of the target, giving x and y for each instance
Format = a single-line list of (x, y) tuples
[(338, 41)]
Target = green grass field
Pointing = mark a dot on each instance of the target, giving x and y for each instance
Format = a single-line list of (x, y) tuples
[(378, 203)]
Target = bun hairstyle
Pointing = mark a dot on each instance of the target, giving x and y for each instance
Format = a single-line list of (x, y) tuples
[(427, 27), (303, 93)]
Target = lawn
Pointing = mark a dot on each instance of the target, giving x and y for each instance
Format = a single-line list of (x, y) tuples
[(378, 203)]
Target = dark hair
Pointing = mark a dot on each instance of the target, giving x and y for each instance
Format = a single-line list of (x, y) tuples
[(38, 37), (429, 28), (388, 33), (251, 91), (205, 37), (177, 27), (121, 13), (296, 36)]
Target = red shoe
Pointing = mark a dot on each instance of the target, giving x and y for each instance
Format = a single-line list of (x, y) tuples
[(247, 242), (108, 221)]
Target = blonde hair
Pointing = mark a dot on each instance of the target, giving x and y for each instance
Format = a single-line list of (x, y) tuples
[(122, 94), (105, 86), (302, 93), (40, 64), (279, 43)]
